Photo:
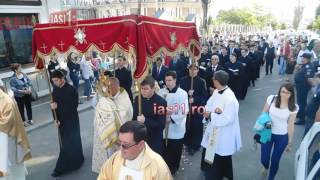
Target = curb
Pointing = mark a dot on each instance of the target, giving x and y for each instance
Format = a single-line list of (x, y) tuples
[(50, 121)]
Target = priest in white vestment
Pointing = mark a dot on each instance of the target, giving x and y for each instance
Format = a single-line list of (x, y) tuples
[(112, 110), (14, 144), (222, 136)]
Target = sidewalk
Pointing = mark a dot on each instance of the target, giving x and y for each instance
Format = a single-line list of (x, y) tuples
[(42, 114)]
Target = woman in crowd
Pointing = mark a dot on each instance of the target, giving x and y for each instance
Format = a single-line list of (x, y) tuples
[(21, 87), (282, 111), (235, 71), (74, 70)]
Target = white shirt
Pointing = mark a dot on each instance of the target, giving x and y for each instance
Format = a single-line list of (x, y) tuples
[(85, 68), (135, 163), (279, 117), (228, 137), (178, 101)]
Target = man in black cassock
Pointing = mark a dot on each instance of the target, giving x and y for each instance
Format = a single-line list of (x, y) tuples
[(124, 76), (205, 56), (153, 114), (259, 55), (65, 102), (235, 71), (254, 65), (246, 62), (224, 57), (197, 98), (179, 64)]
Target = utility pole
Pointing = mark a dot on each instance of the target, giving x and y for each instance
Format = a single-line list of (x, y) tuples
[(139, 7)]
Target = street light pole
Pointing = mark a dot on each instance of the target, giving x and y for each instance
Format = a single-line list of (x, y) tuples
[(139, 7)]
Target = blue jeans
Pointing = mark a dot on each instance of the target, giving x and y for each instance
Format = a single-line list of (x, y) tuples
[(279, 144), (282, 68), (87, 87), (96, 75), (75, 80)]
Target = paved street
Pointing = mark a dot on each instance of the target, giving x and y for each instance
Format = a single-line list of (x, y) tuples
[(45, 148)]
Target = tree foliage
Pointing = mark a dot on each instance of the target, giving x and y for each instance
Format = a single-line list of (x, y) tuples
[(237, 16), (317, 11), (246, 16), (316, 23), (283, 26)]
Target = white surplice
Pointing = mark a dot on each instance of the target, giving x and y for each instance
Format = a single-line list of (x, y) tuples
[(8, 159), (228, 139)]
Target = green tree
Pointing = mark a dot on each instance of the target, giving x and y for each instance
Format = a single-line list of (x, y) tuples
[(317, 11), (275, 25), (246, 16), (316, 23), (283, 26), (237, 16)]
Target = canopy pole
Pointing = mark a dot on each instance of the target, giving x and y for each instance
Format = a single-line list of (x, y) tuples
[(191, 88), (55, 117), (139, 99), (114, 64)]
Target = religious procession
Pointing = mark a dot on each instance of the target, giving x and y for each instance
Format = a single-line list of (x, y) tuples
[(162, 103)]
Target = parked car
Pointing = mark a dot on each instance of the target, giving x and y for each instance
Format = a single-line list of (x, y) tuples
[(307, 160)]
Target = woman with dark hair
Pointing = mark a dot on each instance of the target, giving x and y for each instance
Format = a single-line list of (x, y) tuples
[(282, 110), (74, 70), (21, 86), (235, 71)]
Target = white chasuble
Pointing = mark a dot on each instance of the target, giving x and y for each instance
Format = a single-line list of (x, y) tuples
[(106, 126)]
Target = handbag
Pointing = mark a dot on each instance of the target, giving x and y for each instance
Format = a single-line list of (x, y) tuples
[(34, 94), (263, 126)]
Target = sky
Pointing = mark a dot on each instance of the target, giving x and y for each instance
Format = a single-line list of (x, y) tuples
[(281, 9)]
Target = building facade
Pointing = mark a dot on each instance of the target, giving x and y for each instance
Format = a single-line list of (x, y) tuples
[(177, 10), (17, 18)]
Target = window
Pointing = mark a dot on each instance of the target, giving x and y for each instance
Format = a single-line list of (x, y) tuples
[(314, 155), (16, 38)]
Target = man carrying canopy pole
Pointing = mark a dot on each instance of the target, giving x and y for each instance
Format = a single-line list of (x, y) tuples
[(65, 102), (153, 113), (197, 91)]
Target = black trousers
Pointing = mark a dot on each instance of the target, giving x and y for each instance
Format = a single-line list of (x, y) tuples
[(269, 64), (221, 167), (172, 154), (24, 101), (194, 131)]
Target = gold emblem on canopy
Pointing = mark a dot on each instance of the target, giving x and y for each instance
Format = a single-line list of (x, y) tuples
[(173, 38)]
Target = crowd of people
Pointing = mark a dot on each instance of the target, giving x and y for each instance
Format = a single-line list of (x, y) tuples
[(182, 103)]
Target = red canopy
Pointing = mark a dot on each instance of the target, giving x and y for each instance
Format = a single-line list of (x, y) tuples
[(138, 37)]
